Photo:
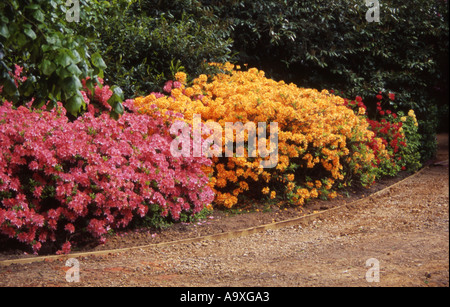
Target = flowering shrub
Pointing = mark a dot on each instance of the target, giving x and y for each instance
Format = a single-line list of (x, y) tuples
[(322, 143), (398, 134), (61, 179)]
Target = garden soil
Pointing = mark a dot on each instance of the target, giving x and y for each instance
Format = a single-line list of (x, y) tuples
[(404, 230)]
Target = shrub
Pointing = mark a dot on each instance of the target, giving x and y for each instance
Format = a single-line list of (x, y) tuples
[(153, 40), (322, 143), (398, 134), (60, 180)]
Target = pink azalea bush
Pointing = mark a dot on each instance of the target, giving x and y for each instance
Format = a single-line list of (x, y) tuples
[(62, 179)]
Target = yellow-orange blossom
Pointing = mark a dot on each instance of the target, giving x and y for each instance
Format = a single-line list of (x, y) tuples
[(314, 131)]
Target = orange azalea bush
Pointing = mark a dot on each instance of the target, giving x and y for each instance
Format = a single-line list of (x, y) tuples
[(321, 142)]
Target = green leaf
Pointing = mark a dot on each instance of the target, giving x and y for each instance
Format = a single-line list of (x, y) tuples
[(39, 16), (75, 56), (118, 91), (118, 108), (63, 72), (4, 31), (21, 40), (15, 4), (53, 40), (72, 85), (53, 4), (27, 87), (9, 86), (32, 7), (30, 33), (73, 105), (47, 67), (90, 85), (64, 59), (117, 97), (97, 61), (74, 70)]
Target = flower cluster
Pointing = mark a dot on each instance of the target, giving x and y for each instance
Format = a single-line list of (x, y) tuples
[(60, 179), (398, 134), (319, 137)]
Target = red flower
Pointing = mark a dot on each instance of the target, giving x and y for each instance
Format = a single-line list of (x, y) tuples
[(379, 97), (391, 96), (65, 249), (70, 228)]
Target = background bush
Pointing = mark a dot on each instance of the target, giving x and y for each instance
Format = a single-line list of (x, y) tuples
[(153, 40)]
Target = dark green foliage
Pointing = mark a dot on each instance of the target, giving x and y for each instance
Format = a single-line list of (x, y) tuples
[(153, 40)]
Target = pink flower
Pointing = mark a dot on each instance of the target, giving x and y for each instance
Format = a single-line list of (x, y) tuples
[(37, 192), (65, 249), (33, 166), (36, 247), (159, 95), (177, 84), (70, 228), (85, 97), (168, 86), (96, 170)]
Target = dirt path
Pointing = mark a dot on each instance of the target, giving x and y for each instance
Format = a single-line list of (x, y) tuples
[(405, 229)]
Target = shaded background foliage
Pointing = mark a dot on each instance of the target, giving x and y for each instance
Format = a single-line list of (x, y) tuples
[(139, 44), (153, 40)]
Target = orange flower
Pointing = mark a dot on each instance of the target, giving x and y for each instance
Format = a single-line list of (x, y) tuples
[(181, 77)]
